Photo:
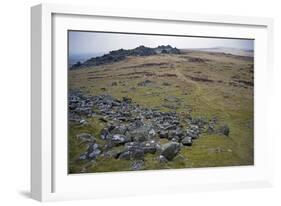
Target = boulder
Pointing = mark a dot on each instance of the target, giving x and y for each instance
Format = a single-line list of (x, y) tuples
[(187, 141), (193, 131), (171, 127), (170, 150), (118, 139), (175, 134), (137, 154), (120, 129), (175, 139), (125, 155), (113, 153), (132, 154), (104, 133), (144, 83), (93, 151), (140, 134), (149, 147), (152, 132), (163, 134)]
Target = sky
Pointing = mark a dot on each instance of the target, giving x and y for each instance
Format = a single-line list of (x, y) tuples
[(96, 42)]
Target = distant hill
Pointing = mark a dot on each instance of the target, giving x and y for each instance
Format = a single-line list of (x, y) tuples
[(226, 50), (74, 58), (121, 54)]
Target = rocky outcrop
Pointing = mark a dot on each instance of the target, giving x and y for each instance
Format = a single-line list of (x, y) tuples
[(121, 54)]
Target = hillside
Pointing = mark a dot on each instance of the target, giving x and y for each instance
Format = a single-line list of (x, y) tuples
[(200, 92)]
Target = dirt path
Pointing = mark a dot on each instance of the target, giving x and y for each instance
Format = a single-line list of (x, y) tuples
[(198, 90), (181, 77)]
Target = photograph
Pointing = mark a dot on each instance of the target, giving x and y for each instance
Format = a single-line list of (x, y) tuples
[(140, 101)]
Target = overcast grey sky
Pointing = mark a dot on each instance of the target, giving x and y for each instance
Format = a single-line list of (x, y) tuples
[(95, 42)]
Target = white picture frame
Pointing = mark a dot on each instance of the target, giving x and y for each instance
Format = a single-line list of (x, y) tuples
[(49, 179)]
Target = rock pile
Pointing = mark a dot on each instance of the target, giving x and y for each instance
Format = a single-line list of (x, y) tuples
[(137, 129)]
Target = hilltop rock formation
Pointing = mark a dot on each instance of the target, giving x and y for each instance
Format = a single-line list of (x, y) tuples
[(121, 54)]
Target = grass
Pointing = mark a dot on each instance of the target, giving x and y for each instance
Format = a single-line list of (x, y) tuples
[(230, 104)]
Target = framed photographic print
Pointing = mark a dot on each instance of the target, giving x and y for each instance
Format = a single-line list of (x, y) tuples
[(135, 102)]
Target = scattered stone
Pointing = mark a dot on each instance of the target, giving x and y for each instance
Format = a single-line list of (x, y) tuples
[(113, 153), (127, 99), (132, 154), (132, 131), (140, 134), (86, 138), (114, 84), (224, 130), (83, 156), (164, 134), (118, 139), (120, 129), (103, 119), (166, 84), (144, 83), (177, 133), (175, 139), (193, 131), (93, 151), (125, 155), (137, 165), (152, 132), (162, 159), (187, 141), (83, 121), (104, 133), (149, 147)]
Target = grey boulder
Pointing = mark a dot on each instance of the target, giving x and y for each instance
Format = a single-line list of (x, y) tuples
[(187, 141), (170, 150)]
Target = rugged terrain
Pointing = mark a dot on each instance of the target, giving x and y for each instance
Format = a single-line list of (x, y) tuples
[(160, 110)]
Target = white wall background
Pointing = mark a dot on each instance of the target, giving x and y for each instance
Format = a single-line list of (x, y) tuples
[(15, 101)]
